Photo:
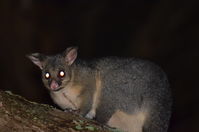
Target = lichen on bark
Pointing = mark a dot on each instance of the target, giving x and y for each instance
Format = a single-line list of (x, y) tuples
[(18, 114)]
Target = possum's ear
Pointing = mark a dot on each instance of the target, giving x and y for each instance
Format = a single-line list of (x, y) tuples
[(70, 54), (37, 59)]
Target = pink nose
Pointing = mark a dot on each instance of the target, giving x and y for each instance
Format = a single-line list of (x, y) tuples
[(54, 85)]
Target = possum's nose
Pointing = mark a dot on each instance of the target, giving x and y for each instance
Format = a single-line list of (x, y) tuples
[(54, 85)]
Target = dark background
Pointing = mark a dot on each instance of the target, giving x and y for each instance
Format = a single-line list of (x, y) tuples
[(164, 31)]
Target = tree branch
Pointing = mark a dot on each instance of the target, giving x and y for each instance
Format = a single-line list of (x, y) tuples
[(19, 114)]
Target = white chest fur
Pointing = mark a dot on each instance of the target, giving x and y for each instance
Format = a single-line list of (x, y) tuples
[(68, 97)]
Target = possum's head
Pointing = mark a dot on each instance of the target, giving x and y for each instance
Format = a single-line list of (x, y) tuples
[(56, 70)]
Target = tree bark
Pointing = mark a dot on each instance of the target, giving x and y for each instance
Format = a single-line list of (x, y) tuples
[(20, 115)]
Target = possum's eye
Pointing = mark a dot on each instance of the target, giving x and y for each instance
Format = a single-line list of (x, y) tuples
[(61, 73), (47, 75)]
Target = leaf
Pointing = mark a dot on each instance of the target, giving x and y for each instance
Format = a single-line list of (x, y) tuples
[(90, 128), (115, 130), (78, 127), (81, 122)]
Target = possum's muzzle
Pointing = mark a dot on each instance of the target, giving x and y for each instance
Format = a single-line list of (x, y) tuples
[(54, 86)]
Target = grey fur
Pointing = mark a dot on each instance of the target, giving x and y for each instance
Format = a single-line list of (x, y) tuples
[(128, 84), (135, 85)]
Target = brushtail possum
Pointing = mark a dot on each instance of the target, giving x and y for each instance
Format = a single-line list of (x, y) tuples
[(126, 93)]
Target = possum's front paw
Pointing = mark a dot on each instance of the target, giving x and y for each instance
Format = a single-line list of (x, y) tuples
[(91, 114)]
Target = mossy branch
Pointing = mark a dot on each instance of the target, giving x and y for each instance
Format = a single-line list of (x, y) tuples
[(19, 114)]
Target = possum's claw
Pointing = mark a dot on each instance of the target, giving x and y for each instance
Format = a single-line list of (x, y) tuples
[(71, 110), (91, 114)]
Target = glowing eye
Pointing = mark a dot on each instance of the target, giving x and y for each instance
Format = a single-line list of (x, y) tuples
[(61, 74), (47, 75)]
